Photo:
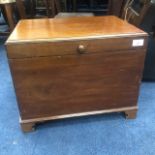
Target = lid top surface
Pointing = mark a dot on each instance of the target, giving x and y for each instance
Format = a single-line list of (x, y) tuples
[(32, 30)]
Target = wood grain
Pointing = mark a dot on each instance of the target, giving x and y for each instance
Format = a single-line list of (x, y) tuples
[(71, 28), (71, 84), (20, 50), (90, 113), (77, 66)]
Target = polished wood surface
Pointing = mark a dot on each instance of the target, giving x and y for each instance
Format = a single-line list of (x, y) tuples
[(92, 74), (131, 114), (72, 28), (72, 72), (8, 11), (115, 7), (29, 124), (132, 16), (21, 9), (9, 16), (71, 47)]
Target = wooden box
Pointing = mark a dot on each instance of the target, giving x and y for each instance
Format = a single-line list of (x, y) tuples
[(74, 67)]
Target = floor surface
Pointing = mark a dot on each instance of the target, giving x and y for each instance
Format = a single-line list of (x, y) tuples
[(109, 134)]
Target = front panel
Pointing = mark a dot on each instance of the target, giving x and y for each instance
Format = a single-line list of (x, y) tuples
[(57, 85)]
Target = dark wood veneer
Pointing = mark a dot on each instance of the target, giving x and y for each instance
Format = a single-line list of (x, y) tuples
[(76, 76)]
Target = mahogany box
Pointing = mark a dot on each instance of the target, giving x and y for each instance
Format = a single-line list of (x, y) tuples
[(75, 66)]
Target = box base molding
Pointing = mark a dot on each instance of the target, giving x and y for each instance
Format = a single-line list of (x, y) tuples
[(29, 124)]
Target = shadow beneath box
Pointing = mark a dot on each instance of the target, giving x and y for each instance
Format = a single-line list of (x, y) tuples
[(81, 120)]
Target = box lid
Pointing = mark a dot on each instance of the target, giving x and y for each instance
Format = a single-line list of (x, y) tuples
[(36, 30)]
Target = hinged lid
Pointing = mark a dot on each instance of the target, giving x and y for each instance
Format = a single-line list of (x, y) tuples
[(75, 28)]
